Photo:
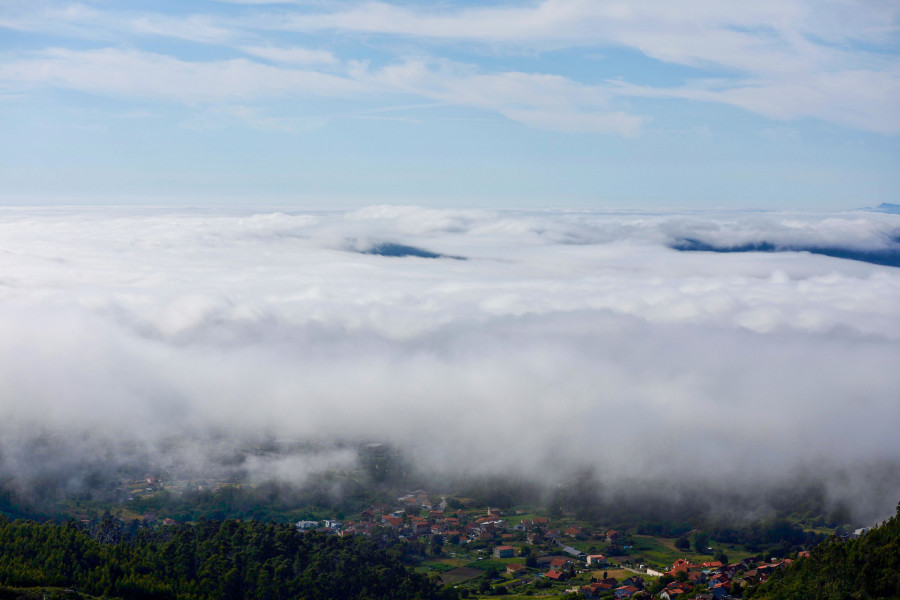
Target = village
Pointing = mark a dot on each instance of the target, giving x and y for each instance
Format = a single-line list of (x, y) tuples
[(481, 550), (489, 552)]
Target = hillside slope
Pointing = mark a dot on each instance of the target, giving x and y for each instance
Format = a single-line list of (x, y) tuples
[(863, 568)]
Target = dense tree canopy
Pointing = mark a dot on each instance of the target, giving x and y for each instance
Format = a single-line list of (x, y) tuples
[(213, 559), (864, 568)]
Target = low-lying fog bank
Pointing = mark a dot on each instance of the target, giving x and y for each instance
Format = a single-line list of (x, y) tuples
[(565, 343)]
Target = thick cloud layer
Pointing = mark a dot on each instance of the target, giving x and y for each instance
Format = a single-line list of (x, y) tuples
[(564, 340)]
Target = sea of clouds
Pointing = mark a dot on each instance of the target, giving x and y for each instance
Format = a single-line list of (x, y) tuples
[(563, 340)]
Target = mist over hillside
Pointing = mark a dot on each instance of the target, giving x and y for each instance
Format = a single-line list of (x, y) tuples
[(567, 346)]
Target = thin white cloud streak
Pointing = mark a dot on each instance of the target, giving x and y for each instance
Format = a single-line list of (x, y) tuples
[(147, 75), (563, 333), (864, 100), (293, 55), (542, 101), (80, 21), (194, 28)]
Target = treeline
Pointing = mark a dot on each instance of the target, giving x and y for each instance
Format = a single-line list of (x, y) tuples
[(265, 502), (863, 568), (12, 507), (210, 560), (772, 536)]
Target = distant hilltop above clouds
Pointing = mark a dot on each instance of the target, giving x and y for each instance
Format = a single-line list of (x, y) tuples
[(887, 207)]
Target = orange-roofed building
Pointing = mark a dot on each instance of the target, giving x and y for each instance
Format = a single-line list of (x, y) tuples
[(555, 575)]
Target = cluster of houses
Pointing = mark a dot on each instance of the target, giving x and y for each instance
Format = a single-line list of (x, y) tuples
[(719, 580), (415, 515), (402, 520), (626, 588)]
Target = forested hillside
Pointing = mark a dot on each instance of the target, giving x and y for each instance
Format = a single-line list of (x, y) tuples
[(214, 560), (863, 568)]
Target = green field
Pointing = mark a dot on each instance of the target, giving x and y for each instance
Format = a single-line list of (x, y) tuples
[(661, 552), (434, 567), (585, 545), (516, 519), (619, 574), (486, 564), (458, 575)]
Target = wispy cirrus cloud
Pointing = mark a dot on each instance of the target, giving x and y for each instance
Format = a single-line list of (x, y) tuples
[(543, 101), (765, 35), (858, 99), (83, 21), (139, 74), (292, 55), (783, 60)]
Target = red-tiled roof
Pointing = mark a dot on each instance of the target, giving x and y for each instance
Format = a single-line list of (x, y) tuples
[(553, 574)]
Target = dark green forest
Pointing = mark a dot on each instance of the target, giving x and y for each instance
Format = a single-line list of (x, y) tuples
[(212, 559), (864, 568)]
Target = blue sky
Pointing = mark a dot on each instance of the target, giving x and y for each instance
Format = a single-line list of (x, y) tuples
[(559, 103)]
